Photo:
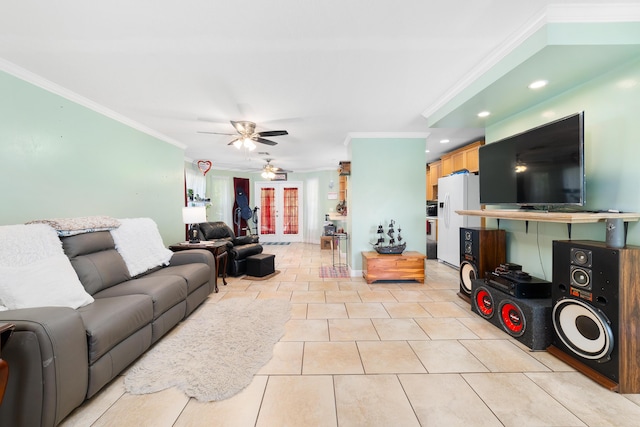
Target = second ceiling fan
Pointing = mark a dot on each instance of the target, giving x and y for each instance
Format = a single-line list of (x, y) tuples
[(269, 171), (247, 135)]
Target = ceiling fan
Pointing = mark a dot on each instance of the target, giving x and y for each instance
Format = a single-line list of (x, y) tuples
[(269, 171), (247, 135)]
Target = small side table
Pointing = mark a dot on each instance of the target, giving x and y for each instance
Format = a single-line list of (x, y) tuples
[(5, 333), (219, 251), (335, 246)]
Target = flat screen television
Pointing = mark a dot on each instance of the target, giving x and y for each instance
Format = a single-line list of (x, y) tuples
[(543, 166)]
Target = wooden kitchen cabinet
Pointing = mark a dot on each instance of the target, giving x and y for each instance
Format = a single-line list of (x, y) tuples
[(462, 158), (433, 173)]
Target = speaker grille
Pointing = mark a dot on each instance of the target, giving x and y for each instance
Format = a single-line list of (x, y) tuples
[(581, 257), (468, 273), (580, 277), (512, 318), (583, 329), (484, 302)]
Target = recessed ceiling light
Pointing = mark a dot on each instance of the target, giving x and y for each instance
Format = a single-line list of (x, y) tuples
[(483, 114), (444, 141), (538, 84), (426, 151)]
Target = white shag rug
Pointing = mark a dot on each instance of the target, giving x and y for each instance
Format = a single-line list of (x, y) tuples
[(215, 353)]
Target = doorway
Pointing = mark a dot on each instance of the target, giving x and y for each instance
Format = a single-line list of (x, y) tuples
[(280, 211)]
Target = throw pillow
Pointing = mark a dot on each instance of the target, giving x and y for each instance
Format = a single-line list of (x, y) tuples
[(35, 272), (50, 282), (139, 243)]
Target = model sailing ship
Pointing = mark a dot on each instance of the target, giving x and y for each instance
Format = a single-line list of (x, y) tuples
[(392, 247)]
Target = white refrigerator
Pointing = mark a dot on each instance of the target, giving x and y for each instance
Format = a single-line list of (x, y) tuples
[(455, 192)]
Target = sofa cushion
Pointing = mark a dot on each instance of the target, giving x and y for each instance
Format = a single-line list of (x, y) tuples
[(195, 275), (165, 292), (87, 243), (95, 260), (216, 230), (109, 321)]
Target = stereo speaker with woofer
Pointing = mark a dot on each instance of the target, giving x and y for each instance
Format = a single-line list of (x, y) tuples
[(596, 307), (481, 251), (527, 320)]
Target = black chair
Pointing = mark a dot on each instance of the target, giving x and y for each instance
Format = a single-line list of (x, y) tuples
[(238, 248)]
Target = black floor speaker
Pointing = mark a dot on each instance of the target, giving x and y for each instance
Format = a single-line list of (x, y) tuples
[(596, 311), (527, 320), (481, 251)]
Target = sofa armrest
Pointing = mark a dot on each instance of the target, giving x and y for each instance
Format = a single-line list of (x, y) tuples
[(191, 256), (243, 240), (48, 365)]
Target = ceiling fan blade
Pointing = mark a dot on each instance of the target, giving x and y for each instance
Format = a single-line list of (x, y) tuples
[(214, 133), (264, 141), (233, 140), (273, 133)]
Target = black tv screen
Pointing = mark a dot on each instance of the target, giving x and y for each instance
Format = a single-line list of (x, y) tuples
[(541, 166)]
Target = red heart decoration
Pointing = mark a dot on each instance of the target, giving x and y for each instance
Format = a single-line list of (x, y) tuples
[(204, 166)]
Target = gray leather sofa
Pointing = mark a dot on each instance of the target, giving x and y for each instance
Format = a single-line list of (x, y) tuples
[(59, 357)]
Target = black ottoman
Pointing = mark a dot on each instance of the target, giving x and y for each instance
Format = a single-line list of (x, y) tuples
[(260, 265)]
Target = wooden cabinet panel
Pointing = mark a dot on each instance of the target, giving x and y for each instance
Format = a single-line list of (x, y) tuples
[(459, 160), (342, 188), (446, 165), (434, 172)]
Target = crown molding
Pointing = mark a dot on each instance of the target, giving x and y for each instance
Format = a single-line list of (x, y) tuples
[(49, 86)]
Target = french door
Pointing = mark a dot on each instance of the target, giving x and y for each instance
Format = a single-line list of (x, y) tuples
[(280, 211)]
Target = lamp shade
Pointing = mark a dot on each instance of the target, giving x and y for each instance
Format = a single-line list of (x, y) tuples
[(194, 214)]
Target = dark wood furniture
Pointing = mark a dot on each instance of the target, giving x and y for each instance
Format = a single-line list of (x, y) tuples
[(406, 266), (5, 332), (219, 251)]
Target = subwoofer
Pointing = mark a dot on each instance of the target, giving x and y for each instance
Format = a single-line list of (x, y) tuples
[(481, 250), (527, 320), (596, 306)]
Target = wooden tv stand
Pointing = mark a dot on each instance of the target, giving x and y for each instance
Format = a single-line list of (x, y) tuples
[(540, 216), (406, 266)]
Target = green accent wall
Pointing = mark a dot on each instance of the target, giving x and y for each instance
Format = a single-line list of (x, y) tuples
[(60, 159), (611, 104), (387, 182)]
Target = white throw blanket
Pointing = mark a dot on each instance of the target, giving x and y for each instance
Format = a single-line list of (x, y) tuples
[(139, 243), (35, 272), (79, 225)]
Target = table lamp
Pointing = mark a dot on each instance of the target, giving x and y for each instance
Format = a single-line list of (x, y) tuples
[(193, 215)]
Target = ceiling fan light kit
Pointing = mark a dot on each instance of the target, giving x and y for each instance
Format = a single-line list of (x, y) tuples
[(269, 171), (248, 135), (247, 143), (268, 175)]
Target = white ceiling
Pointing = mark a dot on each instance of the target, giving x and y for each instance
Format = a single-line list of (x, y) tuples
[(322, 70)]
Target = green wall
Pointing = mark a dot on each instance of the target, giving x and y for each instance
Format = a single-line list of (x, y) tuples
[(60, 159), (611, 105), (387, 182)]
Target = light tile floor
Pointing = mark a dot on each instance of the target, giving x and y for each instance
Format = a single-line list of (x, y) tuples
[(388, 354)]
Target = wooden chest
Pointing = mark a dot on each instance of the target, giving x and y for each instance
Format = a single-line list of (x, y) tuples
[(406, 266)]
